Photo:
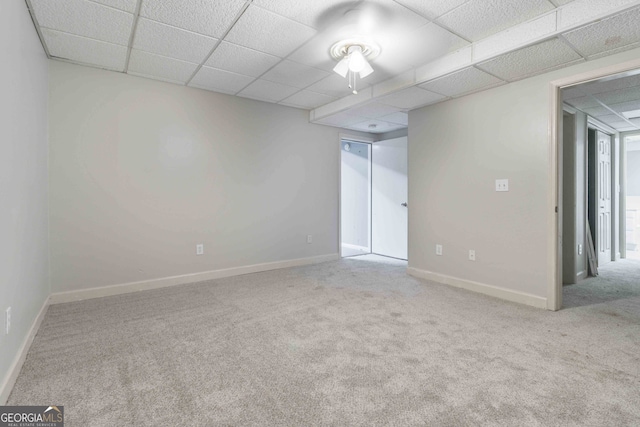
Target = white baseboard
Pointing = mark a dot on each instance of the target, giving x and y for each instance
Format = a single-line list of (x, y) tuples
[(494, 291), (16, 367), (125, 288), (581, 275)]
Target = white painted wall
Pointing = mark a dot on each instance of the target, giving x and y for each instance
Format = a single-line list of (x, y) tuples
[(355, 207), (456, 151), (142, 171), (24, 263)]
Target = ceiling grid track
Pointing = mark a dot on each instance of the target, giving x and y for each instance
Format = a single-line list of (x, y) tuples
[(602, 104), (37, 26), (134, 26), (220, 40), (575, 49)]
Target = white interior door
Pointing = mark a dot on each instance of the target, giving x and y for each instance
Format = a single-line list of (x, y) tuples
[(389, 228), (603, 189)]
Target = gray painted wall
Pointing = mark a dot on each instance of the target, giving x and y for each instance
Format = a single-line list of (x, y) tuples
[(574, 266), (24, 263), (570, 181), (141, 171), (456, 151)]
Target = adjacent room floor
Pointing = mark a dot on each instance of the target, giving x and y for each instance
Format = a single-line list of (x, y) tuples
[(351, 342)]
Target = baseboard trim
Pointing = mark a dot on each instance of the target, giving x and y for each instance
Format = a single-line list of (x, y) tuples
[(581, 275), (494, 291), (16, 367), (125, 288)]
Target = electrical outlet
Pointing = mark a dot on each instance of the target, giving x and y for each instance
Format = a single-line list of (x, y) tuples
[(502, 185), (439, 250), (309, 238), (7, 324), (200, 249), (579, 249), (472, 255)]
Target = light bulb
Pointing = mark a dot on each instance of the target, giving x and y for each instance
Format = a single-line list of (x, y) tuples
[(356, 59)]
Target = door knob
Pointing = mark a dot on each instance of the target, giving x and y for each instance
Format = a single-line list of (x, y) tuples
[(404, 204)]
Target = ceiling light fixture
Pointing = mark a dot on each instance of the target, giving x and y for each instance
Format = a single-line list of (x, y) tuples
[(354, 55)]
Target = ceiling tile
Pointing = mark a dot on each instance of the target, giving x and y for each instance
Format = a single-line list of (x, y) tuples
[(311, 13), (610, 84), (397, 16), (211, 17), (531, 60), (431, 8), (620, 95), (597, 111), (462, 82), (400, 118), (126, 5), (411, 98), (149, 64), (434, 42), (375, 126), (615, 51), (169, 41), (578, 12), (607, 34), (307, 99), (583, 102), (374, 110), (335, 86), (220, 80), (267, 32), (84, 50), (573, 92), (294, 74), (478, 19), (264, 90), (241, 60), (625, 106), (613, 120), (315, 53), (85, 18)]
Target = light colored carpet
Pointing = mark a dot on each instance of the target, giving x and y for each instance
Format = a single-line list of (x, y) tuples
[(351, 342)]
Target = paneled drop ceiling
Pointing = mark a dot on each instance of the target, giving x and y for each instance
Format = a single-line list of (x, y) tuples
[(613, 101), (278, 50)]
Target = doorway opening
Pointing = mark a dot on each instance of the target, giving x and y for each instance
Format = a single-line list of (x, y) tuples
[(373, 198), (355, 198), (597, 133)]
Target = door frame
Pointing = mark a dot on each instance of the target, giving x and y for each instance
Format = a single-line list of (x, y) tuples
[(355, 138), (554, 287)]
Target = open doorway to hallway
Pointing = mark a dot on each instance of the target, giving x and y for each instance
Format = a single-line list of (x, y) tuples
[(600, 127), (373, 198)]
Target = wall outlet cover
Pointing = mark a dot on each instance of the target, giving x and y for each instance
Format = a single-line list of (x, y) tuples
[(200, 249), (502, 185), (439, 250)]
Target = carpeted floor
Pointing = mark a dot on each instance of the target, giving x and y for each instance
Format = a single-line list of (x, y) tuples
[(352, 342)]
